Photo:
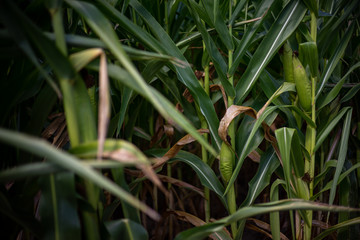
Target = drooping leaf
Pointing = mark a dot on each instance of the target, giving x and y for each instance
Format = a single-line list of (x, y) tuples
[(243, 213), (67, 161)]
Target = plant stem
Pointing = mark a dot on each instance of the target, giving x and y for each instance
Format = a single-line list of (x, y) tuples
[(231, 197), (312, 132), (204, 125)]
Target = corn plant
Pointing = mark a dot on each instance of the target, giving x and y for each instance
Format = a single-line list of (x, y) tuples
[(179, 119)]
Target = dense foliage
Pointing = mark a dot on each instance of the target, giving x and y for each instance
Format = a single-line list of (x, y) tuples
[(186, 119)]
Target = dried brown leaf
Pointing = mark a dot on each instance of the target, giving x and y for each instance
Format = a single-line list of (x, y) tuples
[(216, 87), (232, 112)]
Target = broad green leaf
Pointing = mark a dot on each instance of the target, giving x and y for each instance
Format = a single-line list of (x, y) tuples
[(342, 154), (325, 100), (284, 138), (243, 213), (67, 161), (249, 35), (283, 27), (268, 164), (126, 229), (204, 172), (334, 60), (102, 27), (212, 50)]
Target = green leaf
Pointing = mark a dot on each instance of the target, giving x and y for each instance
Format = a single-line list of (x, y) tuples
[(334, 60), (342, 154), (275, 216), (351, 93), (243, 213), (212, 10), (212, 50), (126, 229), (206, 175), (284, 26), (67, 161), (284, 137), (249, 35), (268, 164), (239, 7)]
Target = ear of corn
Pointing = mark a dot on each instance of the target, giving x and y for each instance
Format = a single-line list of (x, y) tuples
[(226, 162), (302, 83), (287, 63)]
